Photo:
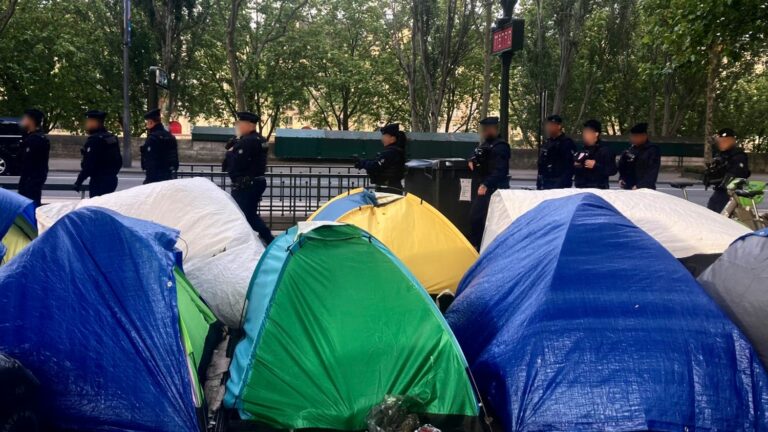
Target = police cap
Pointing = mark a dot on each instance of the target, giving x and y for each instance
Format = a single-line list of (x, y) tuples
[(35, 114), (490, 121), (96, 114), (152, 114), (640, 128), (594, 125), (726, 132), (554, 118), (247, 117), (390, 129)]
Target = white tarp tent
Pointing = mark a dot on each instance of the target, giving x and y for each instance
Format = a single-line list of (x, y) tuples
[(684, 228), (220, 248)]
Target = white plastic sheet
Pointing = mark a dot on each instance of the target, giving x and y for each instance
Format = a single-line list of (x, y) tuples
[(220, 248), (682, 227)]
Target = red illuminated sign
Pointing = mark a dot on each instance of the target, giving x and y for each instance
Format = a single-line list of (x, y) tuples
[(502, 40)]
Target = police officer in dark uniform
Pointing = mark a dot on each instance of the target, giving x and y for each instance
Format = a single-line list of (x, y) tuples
[(595, 163), (246, 165), (556, 157), (490, 172), (160, 152), (101, 157), (730, 163), (387, 169), (639, 165), (33, 154)]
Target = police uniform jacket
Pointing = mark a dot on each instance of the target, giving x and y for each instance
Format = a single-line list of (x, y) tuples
[(160, 152), (101, 156), (598, 176), (248, 157), (639, 166), (491, 164)]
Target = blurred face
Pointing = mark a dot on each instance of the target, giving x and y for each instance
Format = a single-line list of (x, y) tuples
[(553, 129), (387, 139), (638, 139), (92, 124), (149, 123), (589, 136), (244, 127), (488, 132), (725, 143), (27, 123)]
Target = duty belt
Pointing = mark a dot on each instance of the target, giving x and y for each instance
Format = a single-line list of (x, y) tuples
[(245, 182)]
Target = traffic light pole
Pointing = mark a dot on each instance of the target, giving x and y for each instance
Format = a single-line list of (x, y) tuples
[(127, 157), (508, 6)]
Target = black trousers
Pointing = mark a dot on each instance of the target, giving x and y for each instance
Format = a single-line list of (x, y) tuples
[(547, 183), (477, 214), (718, 200), (158, 176), (248, 199), (102, 185), (32, 188)]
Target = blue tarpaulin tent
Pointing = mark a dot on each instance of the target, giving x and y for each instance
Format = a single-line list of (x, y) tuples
[(594, 326), (90, 308), (14, 209)]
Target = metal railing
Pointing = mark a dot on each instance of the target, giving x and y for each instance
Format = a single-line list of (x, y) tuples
[(293, 192)]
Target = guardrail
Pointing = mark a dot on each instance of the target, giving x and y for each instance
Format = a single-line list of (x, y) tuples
[(293, 192)]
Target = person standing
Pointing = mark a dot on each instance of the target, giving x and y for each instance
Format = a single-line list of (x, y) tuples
[(101, 158), (387, 169), (639, 165), (33, 153), (595, 163), (556, 157), (246, 163), (490, 172), (160, 152), (731, 162)]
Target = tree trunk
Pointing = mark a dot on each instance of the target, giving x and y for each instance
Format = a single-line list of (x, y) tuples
[(7, 13), (234, 67), (713, 69), (569, 21), (487, 60)]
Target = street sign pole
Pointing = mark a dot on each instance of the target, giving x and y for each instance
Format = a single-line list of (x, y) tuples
[(127, 158), (504, 44)]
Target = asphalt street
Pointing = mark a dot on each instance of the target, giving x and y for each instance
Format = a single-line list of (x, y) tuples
[(521, 180)]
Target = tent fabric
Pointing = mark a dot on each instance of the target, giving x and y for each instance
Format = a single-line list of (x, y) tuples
[(90, 308), (738, 282), (595, 326), (220, 248), (335, 323), (17, 218), (417, 233), (684, 228)]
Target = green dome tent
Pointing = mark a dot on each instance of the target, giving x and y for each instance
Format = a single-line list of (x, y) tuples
[(335, 323)]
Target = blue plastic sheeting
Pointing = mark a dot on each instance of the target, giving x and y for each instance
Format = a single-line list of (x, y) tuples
[(90, 309), (592, 325), (338, 208)]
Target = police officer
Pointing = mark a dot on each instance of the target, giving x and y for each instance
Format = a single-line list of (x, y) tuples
[(490, 172), (556, 157), (246, 164), (101, 156), (160, 152), (387, 169), (34, 151), (730, 162), (595, 163), (639, 165)]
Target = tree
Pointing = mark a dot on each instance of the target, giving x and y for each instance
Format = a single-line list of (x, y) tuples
[(7, 9), (570, 16)]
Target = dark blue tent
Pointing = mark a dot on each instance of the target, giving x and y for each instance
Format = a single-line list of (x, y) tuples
[(575, 319), (90, 308)]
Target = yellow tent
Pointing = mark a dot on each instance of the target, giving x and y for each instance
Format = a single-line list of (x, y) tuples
[(424, 240), (17, 238)]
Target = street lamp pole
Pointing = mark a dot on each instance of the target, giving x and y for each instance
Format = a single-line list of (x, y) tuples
[(127, 158)]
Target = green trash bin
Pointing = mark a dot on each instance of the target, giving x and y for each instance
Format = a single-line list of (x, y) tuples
[(444, 183)]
